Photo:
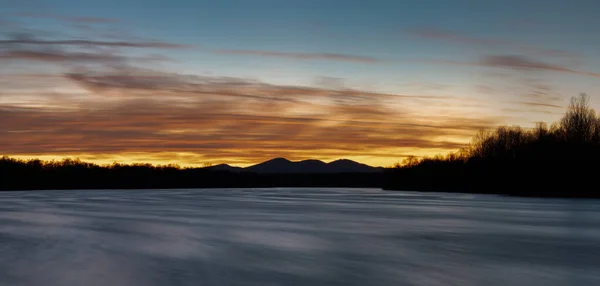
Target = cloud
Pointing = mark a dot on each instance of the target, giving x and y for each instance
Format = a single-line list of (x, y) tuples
[(58, 56), (124, 79), (89, 20), (211, 130), (62, 56), (99, 100), (459, 38), (540, 104), (519, 62), (29, 47), (92, 43), (222, 119), (516, 62), (134, 81), (303, 56), (20, 45), (522, 62)]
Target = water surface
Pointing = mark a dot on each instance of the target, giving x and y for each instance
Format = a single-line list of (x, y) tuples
[(295, 237)]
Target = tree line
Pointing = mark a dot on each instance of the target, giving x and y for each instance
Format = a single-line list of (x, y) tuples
[(36, 174), (557, 160)]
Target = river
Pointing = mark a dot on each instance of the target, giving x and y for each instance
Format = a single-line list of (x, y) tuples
[(295, 236)]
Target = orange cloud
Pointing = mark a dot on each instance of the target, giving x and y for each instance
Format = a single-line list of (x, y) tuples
[(168, 128), (103, 104), (218, 119)]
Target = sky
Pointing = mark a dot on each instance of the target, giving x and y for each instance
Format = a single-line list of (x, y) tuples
[(197, 82)]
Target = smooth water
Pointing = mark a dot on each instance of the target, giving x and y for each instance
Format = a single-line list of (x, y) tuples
[(295, 237)]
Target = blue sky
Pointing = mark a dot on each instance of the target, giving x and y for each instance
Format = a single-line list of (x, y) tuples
[(379, 29), (489, 57)]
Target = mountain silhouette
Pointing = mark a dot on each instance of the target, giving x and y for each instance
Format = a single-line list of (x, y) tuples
[(225, 167), (345, 165), (285, 166)]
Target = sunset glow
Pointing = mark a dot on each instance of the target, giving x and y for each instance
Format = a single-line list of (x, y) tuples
[(240, 82)]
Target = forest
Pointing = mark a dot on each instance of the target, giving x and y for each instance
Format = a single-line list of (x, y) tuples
[(560, 160)]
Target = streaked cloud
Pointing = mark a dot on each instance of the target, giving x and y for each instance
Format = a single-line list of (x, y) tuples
[(224, 119), (92, 43), (28, 46), (517, 62), (89, 20), (303, 56), (221, 118), (129, 80), (522, 62), (32, 47), (216, 129), (540, 104), (100, 99), (58, 56), (464, 39)]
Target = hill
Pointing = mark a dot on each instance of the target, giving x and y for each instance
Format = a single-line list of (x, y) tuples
[(285, 166)]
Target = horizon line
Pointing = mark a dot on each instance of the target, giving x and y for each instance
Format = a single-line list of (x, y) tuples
[(183, 166)]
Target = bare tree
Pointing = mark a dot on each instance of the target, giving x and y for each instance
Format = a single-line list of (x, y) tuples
[(579, 123)]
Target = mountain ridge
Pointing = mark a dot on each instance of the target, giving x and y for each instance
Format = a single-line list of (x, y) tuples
[(281, 165)]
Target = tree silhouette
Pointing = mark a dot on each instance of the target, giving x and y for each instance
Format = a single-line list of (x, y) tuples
[(579, 123), (543, 161)]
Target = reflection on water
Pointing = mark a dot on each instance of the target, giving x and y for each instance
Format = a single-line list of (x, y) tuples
[(295, 237)]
